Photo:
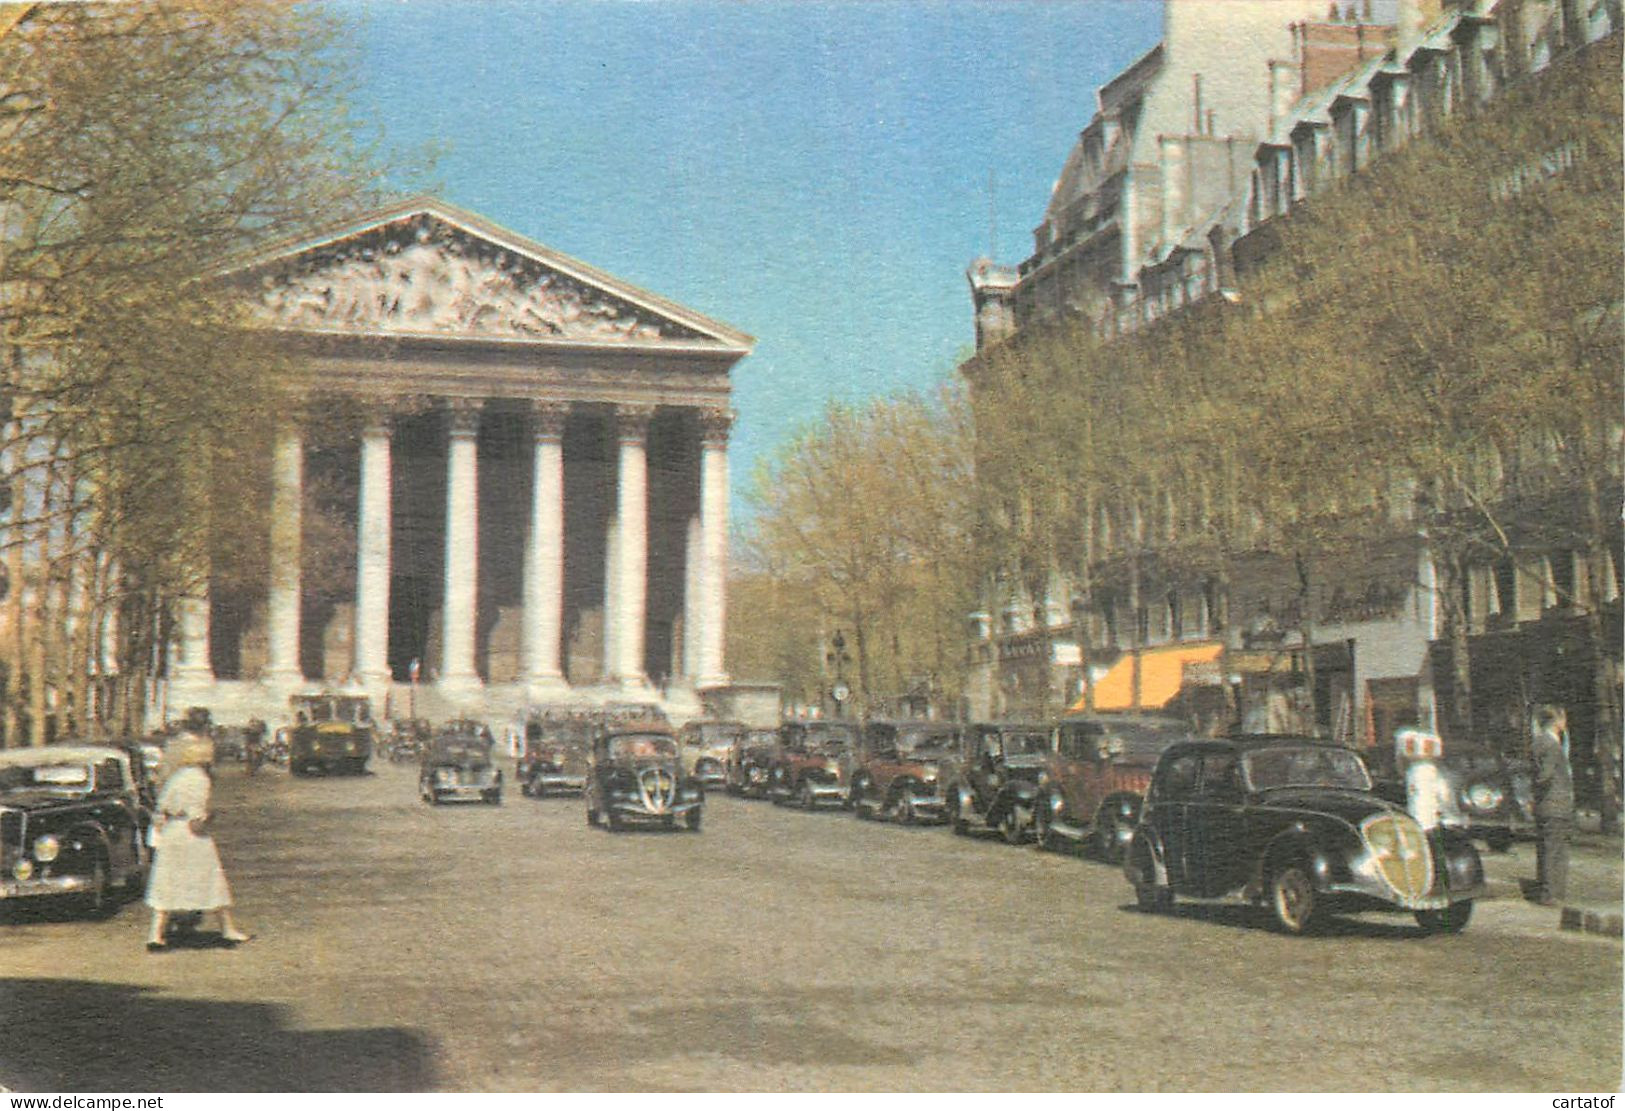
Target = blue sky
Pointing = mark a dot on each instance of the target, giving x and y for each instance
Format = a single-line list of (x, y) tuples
[(816, 174)]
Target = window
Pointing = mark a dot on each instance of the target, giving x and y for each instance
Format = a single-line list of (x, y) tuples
[(1178, 780), (1562, 563), (1080, 742), (1221, 777)]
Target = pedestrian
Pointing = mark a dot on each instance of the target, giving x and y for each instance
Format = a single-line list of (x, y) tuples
[(186, 875), (1554, 804)]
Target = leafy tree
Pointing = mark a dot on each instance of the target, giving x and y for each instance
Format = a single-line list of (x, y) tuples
[(139, 144)]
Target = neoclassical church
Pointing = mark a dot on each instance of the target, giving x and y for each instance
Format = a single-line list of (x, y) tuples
[(529, 471)]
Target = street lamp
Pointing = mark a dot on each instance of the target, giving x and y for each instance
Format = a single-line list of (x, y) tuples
[(838, 659)]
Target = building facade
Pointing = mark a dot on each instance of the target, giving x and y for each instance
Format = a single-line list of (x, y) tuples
[(1380, 656), (508, 468)]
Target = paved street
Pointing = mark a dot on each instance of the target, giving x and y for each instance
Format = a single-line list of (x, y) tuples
[(407, 947)]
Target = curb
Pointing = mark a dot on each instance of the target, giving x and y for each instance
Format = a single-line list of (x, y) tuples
[(1605, 923)]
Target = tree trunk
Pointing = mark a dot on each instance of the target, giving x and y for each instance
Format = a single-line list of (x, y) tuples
[(1459, 719), (1306, 636), (1605, 678)]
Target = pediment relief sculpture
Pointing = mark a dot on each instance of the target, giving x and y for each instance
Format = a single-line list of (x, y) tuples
[(423, 276)]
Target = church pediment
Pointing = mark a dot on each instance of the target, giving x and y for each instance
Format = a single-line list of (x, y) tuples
[(428, 270)]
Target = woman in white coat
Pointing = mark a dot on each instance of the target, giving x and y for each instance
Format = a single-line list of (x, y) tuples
[(186, 873)]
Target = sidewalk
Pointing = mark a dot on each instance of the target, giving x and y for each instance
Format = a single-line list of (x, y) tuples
[(1596, 894)]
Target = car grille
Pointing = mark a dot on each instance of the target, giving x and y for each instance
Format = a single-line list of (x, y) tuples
[(1400, 850), (658, 787)]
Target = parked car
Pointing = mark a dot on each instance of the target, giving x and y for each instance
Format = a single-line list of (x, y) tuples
[(750, 761), (71, 826), (331, 733), (706, 747), (1294, 824), (813, 762), (457, 765), (1490, 797), (637, 776), (555, 756), (899, 770), (1095, 777), (995, 782), (407, 740)]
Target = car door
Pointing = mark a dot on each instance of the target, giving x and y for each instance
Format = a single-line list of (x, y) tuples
[(1073, 748), (1216, 826), (1175, 785)]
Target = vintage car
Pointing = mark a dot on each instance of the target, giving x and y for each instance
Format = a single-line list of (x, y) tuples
[(750, 760), (1094, 779), (1490, 797), (899, 770), (407, 739), (637, 776), (331, 733), (813, 763), (555, 755), (1294, 824), (457, 765), (706, 747), (71, 826), (995, 781)]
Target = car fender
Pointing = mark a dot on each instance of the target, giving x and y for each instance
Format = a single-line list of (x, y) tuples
[(84, 841), (1297, 843), (1145, 843), (1125, 804)]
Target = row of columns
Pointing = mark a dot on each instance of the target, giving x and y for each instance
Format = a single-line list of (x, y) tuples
[(626, 571)]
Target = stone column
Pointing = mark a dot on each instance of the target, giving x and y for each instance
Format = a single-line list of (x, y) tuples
[(459, 610), (544, 555), (287, 524), (714, 425), (632, 560), (371, 665)]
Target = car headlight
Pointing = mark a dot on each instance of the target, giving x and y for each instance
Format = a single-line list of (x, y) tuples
[(46, 848), (1381, 837), (23, 869), (1484, 796)]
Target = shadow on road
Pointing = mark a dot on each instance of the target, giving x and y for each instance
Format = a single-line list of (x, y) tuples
[(1245, 917), (75, 1035)]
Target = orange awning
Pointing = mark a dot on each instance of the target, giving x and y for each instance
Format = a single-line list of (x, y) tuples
[(1162, 673)]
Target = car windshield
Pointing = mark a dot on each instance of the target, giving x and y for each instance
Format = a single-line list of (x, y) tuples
[(1025, 744), (927, 740), (1308, 766), (641, 747), (760, 737), (43, 776), (830, 740)]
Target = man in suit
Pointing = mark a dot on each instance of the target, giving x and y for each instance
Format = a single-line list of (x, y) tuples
[(1554, 804)]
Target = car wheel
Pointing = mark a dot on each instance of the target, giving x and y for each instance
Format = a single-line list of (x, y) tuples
[(1451, 920), (903, 810), (1106, 844), (1012, 828), (956, 817), (692, 819), (613, 820), (669, 822), (592, 816), (805, 796), (1293, 900), (1499, 841), (860, 802)]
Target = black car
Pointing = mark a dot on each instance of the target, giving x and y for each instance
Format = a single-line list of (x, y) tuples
[(555, 756), (637, 776), (996, 781), (1294, 824), (750, 762), (457, 765), (71, 825)]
